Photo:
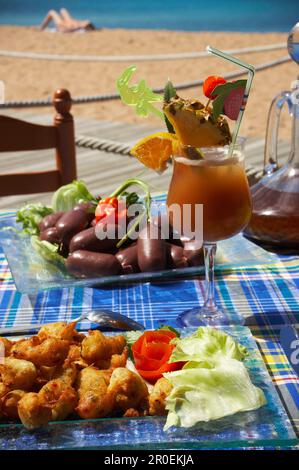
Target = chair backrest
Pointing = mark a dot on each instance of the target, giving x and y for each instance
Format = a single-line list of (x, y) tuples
[(17, 135)]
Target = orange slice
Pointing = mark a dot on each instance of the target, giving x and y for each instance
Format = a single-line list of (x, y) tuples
[(154, 150)]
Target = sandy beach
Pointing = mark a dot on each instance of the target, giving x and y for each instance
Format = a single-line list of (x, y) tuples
[(33, 79)]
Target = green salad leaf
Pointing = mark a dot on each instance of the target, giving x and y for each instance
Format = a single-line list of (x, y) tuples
[(67, 196), (202, 394), (207, 344), (170, 328), (131, 338), (47, 250), (213, 383), (31, 215)]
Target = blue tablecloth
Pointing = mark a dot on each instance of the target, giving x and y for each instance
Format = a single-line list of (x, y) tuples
[(268, 297)]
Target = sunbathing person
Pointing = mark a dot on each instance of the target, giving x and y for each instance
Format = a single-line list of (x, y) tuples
[(65, 23)]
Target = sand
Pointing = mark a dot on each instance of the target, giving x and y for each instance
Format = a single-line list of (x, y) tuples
[(32, 79)]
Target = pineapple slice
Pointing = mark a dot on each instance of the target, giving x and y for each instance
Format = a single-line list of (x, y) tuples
[(194, 124)]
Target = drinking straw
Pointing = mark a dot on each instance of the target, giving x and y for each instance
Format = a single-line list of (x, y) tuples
[(251, 72)]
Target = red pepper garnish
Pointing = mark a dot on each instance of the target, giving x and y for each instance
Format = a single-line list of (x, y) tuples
[(151, 353), (110, 208)]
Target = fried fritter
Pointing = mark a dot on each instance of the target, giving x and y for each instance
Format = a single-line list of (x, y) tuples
[(9, 403), (129, 389), (33, 412), (157, 397), (60, 330), (7, 345), (117, 360), (44, 374), (50, 352), (18, 374), (58, 371), (132, 413), (96, 347), (67, 374), (116, 344), (61, 397), (94, 399), (3, 389), (74, 357)]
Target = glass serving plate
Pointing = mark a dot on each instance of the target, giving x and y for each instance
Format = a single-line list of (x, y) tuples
[(32, 273), (267, 427)]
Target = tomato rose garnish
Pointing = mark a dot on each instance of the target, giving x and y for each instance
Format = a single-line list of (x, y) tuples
[(151, 353), (210, 84)]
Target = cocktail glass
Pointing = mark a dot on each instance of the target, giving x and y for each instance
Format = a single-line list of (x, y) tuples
[(217, 181)]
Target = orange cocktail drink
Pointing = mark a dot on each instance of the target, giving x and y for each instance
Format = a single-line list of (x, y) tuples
[(208, 199), (214, 178), (219, 183)]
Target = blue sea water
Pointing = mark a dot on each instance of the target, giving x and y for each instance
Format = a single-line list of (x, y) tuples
[(187, 15)]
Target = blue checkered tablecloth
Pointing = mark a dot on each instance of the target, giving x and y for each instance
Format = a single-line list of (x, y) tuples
[(268, 297)]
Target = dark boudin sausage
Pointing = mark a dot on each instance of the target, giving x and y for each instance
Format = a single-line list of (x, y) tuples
[(87, 207), (71, 223), (49, 221), (176, 257), (128, 258), (169, 234), (87, 240), (84, 263), (50, 235), (151, 251)]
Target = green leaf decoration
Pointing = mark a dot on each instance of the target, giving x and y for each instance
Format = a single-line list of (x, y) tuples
[(222, 91), (139, 95), (238, 83), (218, 104), (169, 328), (169, 92), (225, 88)]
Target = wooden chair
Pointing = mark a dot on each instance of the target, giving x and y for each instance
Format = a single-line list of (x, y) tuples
[(17, 135)]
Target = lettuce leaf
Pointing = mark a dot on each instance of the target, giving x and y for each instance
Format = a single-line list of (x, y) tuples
[(213, 383), (207, 344), (48, 251), (131, 338), (66, 197), (169, 328), (31, 215), (203, 394)]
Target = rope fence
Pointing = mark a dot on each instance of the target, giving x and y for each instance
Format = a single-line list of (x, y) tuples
[(118, 148), (115, 96), (133, 58), (104, 145)]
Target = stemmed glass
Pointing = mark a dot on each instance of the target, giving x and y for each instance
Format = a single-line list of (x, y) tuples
[(216, 179)]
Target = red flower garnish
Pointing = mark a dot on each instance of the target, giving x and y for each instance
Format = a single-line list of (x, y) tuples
[(210, 84), (151, 353), (111, 209)]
